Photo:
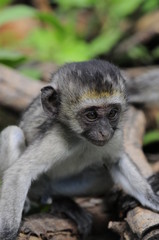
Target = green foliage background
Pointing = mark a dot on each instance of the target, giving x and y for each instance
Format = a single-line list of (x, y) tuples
[(57, 37)]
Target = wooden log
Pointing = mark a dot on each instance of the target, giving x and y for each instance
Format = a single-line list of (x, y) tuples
[(122, 229), (155, 166), (137, 94), (46, 226), (133, 135), (16, 90), (144, 223)]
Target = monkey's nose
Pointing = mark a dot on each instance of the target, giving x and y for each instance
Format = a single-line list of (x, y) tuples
[(104, 135)]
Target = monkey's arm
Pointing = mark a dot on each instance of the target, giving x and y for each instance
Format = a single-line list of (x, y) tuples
[(12, 144), (36, 159), (127, 175)]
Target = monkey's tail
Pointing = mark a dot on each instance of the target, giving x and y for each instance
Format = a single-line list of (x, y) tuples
[(144, 90)]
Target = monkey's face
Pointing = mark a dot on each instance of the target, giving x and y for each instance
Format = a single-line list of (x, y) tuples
[(88, 98), (99, 123), (95, 116)]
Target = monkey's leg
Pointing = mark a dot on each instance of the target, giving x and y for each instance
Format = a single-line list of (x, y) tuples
[(18, 177), (126, 174), (70, 209), (12, 144), (93, 181)]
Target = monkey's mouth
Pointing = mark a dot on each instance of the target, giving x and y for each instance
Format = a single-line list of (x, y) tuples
[(99, 143), (97, 140)]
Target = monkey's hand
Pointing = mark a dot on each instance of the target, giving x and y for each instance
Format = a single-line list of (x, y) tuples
[(69, 208), (128, 176), (154, 182)]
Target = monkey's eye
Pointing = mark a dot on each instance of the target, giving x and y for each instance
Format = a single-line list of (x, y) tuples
[(91, 115), (113, 114)]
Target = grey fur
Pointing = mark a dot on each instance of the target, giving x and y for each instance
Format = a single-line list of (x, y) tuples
[(56, 146)]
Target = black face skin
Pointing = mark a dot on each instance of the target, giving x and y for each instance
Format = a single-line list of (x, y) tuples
[(99, 123)]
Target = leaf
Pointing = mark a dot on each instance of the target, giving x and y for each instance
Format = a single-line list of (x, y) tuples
[(69, 48), (151, 137), (122, 8), (16, 12), (72, 50), (10, 57), (150, 5), (52, 20), (33, 73), (4, 2), (139, 52), (155, 53), (104, 42), (66, 4)]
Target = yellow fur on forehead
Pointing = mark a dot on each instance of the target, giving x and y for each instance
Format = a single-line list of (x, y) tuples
[(97, 95)]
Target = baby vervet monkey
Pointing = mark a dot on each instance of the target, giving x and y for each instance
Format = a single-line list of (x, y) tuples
[(74, 127)]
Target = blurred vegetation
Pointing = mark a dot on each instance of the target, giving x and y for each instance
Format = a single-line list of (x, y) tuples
[(151, 137), (73, 30)]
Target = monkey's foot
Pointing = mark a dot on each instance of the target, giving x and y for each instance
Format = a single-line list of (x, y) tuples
[(120, 203), (70, 209)]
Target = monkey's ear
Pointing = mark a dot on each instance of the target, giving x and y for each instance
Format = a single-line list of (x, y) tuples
[(50, 100)]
